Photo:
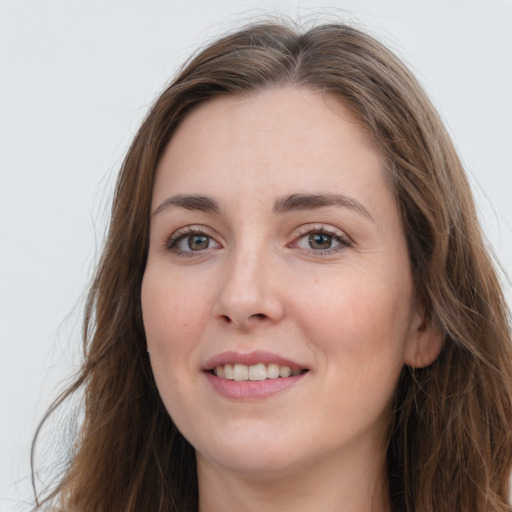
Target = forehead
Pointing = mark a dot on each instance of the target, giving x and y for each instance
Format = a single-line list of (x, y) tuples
[(271, 142)]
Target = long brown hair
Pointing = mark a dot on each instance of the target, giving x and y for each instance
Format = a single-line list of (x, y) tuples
[(450, 437)]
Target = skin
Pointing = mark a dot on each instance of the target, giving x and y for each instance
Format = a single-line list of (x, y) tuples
[(255, 281)]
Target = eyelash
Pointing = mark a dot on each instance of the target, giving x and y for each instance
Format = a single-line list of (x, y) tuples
[(183, 234), (336, 236), (303, 232)]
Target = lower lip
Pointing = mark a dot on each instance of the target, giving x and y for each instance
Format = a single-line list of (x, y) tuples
[(252, 389)]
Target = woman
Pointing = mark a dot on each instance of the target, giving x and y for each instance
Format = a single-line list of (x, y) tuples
[(295, 309)]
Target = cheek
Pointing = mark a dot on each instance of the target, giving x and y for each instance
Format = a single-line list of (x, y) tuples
[(359, 321), (173, 325), (173, 311)]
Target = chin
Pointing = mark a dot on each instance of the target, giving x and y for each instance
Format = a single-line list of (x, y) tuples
[(256, 456), (255, 466)]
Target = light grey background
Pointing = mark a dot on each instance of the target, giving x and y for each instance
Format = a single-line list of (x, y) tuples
[(76, 78)]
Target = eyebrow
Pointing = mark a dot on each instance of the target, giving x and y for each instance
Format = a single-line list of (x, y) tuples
[(189, 202), (312, 201), (293, 202)]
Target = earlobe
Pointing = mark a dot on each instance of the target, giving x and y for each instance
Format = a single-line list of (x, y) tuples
[(424, 345)]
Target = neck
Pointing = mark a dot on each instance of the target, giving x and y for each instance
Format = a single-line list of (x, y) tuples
[(354, 487)]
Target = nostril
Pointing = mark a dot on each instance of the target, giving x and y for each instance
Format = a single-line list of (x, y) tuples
[(225, 319), (242, 321)]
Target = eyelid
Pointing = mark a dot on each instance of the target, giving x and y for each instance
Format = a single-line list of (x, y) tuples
[(187, 231), (344, 241), (307, 229)]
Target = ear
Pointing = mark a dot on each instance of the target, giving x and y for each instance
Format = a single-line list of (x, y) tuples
[(424, 344)]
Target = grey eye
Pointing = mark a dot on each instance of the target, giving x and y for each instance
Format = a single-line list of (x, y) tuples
[(320, 241), (196, 242), (193, 242)]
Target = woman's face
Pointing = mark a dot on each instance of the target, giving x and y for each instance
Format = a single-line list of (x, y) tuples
[(276, 246)]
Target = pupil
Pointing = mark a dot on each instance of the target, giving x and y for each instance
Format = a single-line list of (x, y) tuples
[(320, 241), (198, 242)]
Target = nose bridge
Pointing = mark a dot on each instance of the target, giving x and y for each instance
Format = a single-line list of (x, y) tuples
[(247, 292)]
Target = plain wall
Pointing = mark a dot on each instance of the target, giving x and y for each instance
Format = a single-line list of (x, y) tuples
[(76, 78)]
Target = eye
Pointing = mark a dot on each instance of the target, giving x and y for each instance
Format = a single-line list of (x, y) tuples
[(321, 241), (190, 240), (193, 243)]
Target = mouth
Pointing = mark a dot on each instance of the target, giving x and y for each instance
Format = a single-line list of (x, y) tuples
[(254, 366), (255, 372), (253, 376)]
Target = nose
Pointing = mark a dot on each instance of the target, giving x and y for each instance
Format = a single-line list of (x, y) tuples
[(249, 292)]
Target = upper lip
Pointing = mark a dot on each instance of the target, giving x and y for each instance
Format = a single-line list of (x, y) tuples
[(249, 359)]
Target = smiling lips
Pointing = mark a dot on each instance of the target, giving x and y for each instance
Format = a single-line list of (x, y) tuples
[(252, 376), (259, 371)]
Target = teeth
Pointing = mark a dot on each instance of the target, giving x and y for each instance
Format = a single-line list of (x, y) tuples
[(240, 372), (228, 372), (260, 371), (272, 371), (257, 372), (285, 371)]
